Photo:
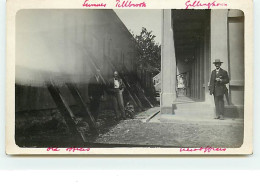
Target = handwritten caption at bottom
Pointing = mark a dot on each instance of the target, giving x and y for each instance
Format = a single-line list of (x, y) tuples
[(72, 149), (201, 149), (207, 149)]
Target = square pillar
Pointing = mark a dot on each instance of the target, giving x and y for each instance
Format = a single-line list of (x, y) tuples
[(219, 40), (168, 64), (207, 65), (219, 37)]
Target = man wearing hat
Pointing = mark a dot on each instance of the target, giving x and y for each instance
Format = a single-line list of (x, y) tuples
[(218, 80)]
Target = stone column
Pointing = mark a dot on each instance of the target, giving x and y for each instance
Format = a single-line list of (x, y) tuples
[(197, 68), (219, 36), (202, 53), (236, 57), (219, 39), (207, 66), (168, 64)]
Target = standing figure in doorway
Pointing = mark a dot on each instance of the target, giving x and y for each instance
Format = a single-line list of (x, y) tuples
[(116, 88), (95, 93), (218, 80)]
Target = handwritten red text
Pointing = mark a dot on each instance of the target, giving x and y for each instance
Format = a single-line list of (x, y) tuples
[(129, 4), (87, 4), (209, 5), (72, 149), (204, 149), (53, 149), (77, 149)]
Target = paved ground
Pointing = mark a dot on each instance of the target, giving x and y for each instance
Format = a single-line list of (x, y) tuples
[(228, 133)]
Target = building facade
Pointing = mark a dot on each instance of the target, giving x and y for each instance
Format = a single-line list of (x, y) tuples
[(191, 41)]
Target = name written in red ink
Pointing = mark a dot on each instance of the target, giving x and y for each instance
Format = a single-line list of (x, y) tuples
[(88, 5), (129, 4), (72, 149), (204, 149), (209, 5), (119, 4)]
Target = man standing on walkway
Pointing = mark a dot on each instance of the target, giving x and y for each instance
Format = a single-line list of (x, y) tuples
[(116, 88), (95, 93), (218, 80)]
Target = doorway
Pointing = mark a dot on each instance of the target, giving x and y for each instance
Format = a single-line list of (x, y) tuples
[(191, 29)]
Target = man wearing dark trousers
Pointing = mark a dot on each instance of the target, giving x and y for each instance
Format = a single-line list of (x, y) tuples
[(95, 93), (116, 88), (218, 80)]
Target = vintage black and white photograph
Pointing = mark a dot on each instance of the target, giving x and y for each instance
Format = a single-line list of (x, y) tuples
[(129, 80)]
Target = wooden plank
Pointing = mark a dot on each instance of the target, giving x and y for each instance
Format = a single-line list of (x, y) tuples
[(132, 95), (88, 116), (141, 92), (65, 111), (146, 99), (142, 95), (92, 62)]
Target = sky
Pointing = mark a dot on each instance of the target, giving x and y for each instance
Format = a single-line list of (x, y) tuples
[(135, 19)]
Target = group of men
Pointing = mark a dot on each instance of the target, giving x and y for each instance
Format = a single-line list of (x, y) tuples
[(114, 89)]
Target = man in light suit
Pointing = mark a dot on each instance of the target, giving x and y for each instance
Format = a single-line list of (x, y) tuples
[(116, 88), (218, 80)]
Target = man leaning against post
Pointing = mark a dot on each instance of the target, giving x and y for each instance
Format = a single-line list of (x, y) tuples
[(116, 88), (218, 80)]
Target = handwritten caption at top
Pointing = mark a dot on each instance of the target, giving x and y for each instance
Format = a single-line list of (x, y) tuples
[(118, 4), (130, 4), (193, 4)]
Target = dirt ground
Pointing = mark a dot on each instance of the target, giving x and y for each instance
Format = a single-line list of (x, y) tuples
[(48, 129), (135, 132)]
